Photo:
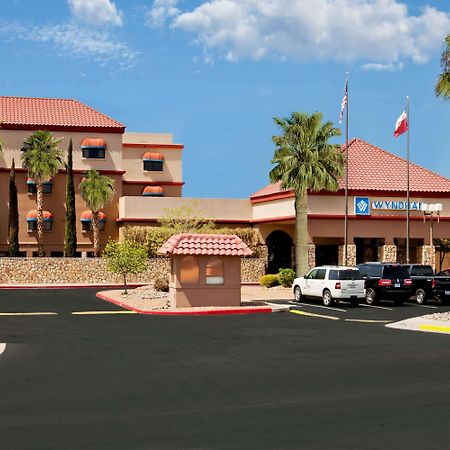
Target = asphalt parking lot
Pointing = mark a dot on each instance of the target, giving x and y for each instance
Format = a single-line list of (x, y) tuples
[(384, 312), (113, 380)]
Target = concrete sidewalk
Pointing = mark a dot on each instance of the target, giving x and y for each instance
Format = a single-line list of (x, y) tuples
[(422, 324), (264, 308)]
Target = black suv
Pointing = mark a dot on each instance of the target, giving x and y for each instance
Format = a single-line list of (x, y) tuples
[(386, 281), (426, 285)]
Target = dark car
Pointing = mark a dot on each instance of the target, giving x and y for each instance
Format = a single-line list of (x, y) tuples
[(427, 285), (386, 281)]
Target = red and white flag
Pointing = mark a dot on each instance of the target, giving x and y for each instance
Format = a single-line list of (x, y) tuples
[(401, 126), (344, 102)]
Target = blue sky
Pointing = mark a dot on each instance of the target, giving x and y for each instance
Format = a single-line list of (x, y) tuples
[(215, 73)]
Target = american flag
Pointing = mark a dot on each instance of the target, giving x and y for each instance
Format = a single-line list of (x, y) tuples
[(344, 101)]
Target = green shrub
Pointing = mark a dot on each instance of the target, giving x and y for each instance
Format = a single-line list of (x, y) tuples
[(269, 281), (161, 283), (286, 277)]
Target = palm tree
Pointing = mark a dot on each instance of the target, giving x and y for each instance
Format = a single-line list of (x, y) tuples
[(442, 88), (42, 157), (305, 160), (96, 190)]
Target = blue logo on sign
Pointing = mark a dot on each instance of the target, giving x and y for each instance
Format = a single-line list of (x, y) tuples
[(362, 206)]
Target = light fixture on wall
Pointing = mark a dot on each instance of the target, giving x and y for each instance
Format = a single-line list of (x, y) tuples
[(430, 210)]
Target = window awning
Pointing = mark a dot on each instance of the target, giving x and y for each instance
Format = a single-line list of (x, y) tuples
[(93, 143), (31, 181), (32, 216), (153, 191), (153, 156), (87, 216)]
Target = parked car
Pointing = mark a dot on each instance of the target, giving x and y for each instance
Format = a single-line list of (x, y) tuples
[(427, 285), (444, 273), (385, 281), (330, 283)]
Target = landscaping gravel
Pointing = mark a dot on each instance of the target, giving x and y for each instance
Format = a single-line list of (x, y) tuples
[(443, 316), (146, 298)]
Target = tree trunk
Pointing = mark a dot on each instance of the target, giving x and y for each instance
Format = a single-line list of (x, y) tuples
[(40, 218), (301, 234), (95, 233), (125, 283)]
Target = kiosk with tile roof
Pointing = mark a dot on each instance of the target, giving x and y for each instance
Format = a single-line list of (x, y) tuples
[(205, 269)]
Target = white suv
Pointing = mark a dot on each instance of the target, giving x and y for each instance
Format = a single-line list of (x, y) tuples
[(331, 283)]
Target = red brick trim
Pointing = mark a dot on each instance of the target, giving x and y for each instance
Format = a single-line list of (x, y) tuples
[(154, 183), (13, 126), (103, 171), (155, 219), (163, 146)]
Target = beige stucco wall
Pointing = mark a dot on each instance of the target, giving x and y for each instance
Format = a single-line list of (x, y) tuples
[(153, 207), (13, 140), (55, 203), (132, 163), (136, 137)]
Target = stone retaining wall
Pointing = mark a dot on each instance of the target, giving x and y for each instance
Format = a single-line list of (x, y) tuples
[(93, 271)]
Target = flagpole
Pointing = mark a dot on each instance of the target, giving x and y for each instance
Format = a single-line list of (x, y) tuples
[(407, 181), (346, 181)]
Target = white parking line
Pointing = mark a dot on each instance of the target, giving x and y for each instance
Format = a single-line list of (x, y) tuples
[(427, 306), (377, 307), (321, 306)]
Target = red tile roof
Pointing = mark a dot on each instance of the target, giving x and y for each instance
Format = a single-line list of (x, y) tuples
[(374, 169), (53, 114), (205, 244)]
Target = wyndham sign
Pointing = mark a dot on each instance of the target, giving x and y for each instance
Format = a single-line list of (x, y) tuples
[(363, 205)]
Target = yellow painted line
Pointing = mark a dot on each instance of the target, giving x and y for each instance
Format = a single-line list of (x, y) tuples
[(320, 316), (85, 313), (368, 321), (28, 314), (434, 328)]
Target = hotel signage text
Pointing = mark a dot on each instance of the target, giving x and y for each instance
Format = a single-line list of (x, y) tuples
[(364, 204)]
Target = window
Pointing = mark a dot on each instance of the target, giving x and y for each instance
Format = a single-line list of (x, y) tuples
[(153, 161), (214, 271), (32, 225), (56, 254), (32, 188), (93, 148), (94, 152), (86, 225), (153, 166), (189, 270), (320, 275)]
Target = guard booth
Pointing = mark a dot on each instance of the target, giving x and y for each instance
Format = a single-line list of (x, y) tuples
[(205, 269)]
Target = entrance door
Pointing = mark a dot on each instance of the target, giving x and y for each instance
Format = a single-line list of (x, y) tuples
[(279, 247)]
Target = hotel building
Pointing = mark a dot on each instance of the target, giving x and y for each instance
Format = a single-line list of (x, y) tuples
[(147, 170)]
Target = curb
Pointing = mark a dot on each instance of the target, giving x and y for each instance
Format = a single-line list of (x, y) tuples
[(69, 286), (209, 312), (424, 325)]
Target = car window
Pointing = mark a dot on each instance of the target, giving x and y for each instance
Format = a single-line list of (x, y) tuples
[(349, 274), (320, 274), (375, 271), (333, 274), (363, 270), (422, 270), (312, 274), (395, 271)]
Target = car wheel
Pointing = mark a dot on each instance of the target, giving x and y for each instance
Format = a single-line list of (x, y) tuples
[(371, 297), (327, 298), (421, 297), (297, 293)]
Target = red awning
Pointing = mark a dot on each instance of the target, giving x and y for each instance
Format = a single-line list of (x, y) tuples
[(153, 156), (86, 216), (32, 215), (93, 142)]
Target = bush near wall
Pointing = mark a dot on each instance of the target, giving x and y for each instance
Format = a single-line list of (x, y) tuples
[(21, 271), (154, 237)]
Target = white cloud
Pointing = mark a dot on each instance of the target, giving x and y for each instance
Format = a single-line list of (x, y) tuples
[(380, 67), (381, 31), (161, 12), (70, 40), (96, 12)]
